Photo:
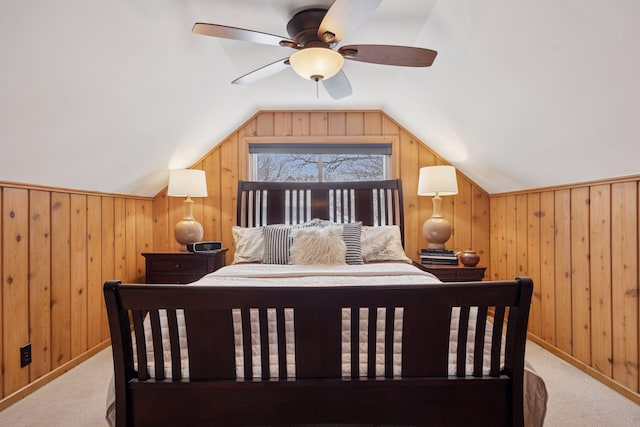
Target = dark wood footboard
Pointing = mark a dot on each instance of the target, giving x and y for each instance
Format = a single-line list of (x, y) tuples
[(419, 389)]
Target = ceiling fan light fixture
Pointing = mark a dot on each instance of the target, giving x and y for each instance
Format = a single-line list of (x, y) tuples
[(316, 63)]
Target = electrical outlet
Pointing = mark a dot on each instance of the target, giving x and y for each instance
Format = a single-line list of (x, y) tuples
[(25, 355)]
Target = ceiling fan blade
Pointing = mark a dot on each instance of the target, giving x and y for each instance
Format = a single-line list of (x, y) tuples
[(263, 72), (234, 33), (406, 56), (343, 17), (338, 86)]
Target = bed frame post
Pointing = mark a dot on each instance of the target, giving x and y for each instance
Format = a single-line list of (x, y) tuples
[(121, 347)]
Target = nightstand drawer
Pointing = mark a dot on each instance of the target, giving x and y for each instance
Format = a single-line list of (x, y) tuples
[(178, 265), (453, 273), (181, 267)]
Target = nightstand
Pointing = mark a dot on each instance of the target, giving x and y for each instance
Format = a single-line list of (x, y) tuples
[(181, 267), (453, 273)]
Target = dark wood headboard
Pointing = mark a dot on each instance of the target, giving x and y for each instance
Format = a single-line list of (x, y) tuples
[(372, 202)]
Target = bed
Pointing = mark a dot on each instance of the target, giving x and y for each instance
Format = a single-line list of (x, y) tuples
[(289, 335)]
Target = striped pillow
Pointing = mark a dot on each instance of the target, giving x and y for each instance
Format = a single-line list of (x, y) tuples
[(277, 243), (351, 234)]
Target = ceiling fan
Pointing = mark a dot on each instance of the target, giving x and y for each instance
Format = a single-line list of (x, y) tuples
[(314, 33)]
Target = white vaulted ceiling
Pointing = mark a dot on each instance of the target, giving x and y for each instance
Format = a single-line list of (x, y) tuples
[(108, 95)]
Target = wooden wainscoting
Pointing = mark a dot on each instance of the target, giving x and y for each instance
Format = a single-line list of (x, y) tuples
[(57, 248), (580, 245)]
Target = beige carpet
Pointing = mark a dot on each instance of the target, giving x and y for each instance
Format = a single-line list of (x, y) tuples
[(78, 397)]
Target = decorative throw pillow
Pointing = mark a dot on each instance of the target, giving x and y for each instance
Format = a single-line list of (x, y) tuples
[(351, 234), (277, 242), (382, 243), (318, 245), (249, 244)]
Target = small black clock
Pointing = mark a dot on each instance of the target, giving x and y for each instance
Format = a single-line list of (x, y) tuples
[(206, 246)]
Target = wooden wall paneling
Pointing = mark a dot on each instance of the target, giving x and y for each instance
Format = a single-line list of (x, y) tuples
[(624, 283), (461, 218), (144, 236), (119, 239), (300, 124), (318, 124), (60, 279), (78, 263), (211, 215), (480, 226), (108, 254), (15, 286), (264, 124), (282, 124), (389, 126), (533, 261), (162, 232), (354, 123), (337, 123), (510, 240), (409, 170), (600, 230), (39, 262), (198, 202), (228, 189), (562, 265), (498, 238), (522, 246), (94, 271), (580, 275), (547, 271), (131, 253), (373, 123)]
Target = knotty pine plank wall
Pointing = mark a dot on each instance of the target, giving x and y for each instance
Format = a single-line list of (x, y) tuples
[(57, 247), (580, 246), (468, 211)]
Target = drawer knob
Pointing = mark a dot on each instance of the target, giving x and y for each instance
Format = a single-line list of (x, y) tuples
[(177, 265)]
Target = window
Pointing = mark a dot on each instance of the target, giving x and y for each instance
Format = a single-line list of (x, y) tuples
[(319, 162)]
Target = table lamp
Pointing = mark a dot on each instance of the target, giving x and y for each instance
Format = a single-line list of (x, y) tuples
[(437, 181), (187, 183)]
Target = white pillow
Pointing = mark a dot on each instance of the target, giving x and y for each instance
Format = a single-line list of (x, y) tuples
[(382, 243), (249, 244), (318, 245)]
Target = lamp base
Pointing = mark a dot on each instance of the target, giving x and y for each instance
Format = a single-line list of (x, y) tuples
[(436, 230), (188, 230)]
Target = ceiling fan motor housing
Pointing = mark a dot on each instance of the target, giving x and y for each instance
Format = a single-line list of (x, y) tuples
[(304, 25)]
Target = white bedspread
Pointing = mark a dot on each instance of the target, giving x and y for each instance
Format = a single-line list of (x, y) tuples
[(336, 275)]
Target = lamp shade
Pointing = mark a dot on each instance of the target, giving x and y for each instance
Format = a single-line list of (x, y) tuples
[(187, 183), (437, 180), (316, 63)]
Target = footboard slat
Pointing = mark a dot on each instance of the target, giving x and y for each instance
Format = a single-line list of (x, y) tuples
[(478, 347), (496, 341), (264, 342), (174, 344), (371, 342), (463, 328), (141, 347), (158, 353)]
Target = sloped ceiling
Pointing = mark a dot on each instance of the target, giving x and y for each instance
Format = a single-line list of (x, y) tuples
[(108, 95)]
